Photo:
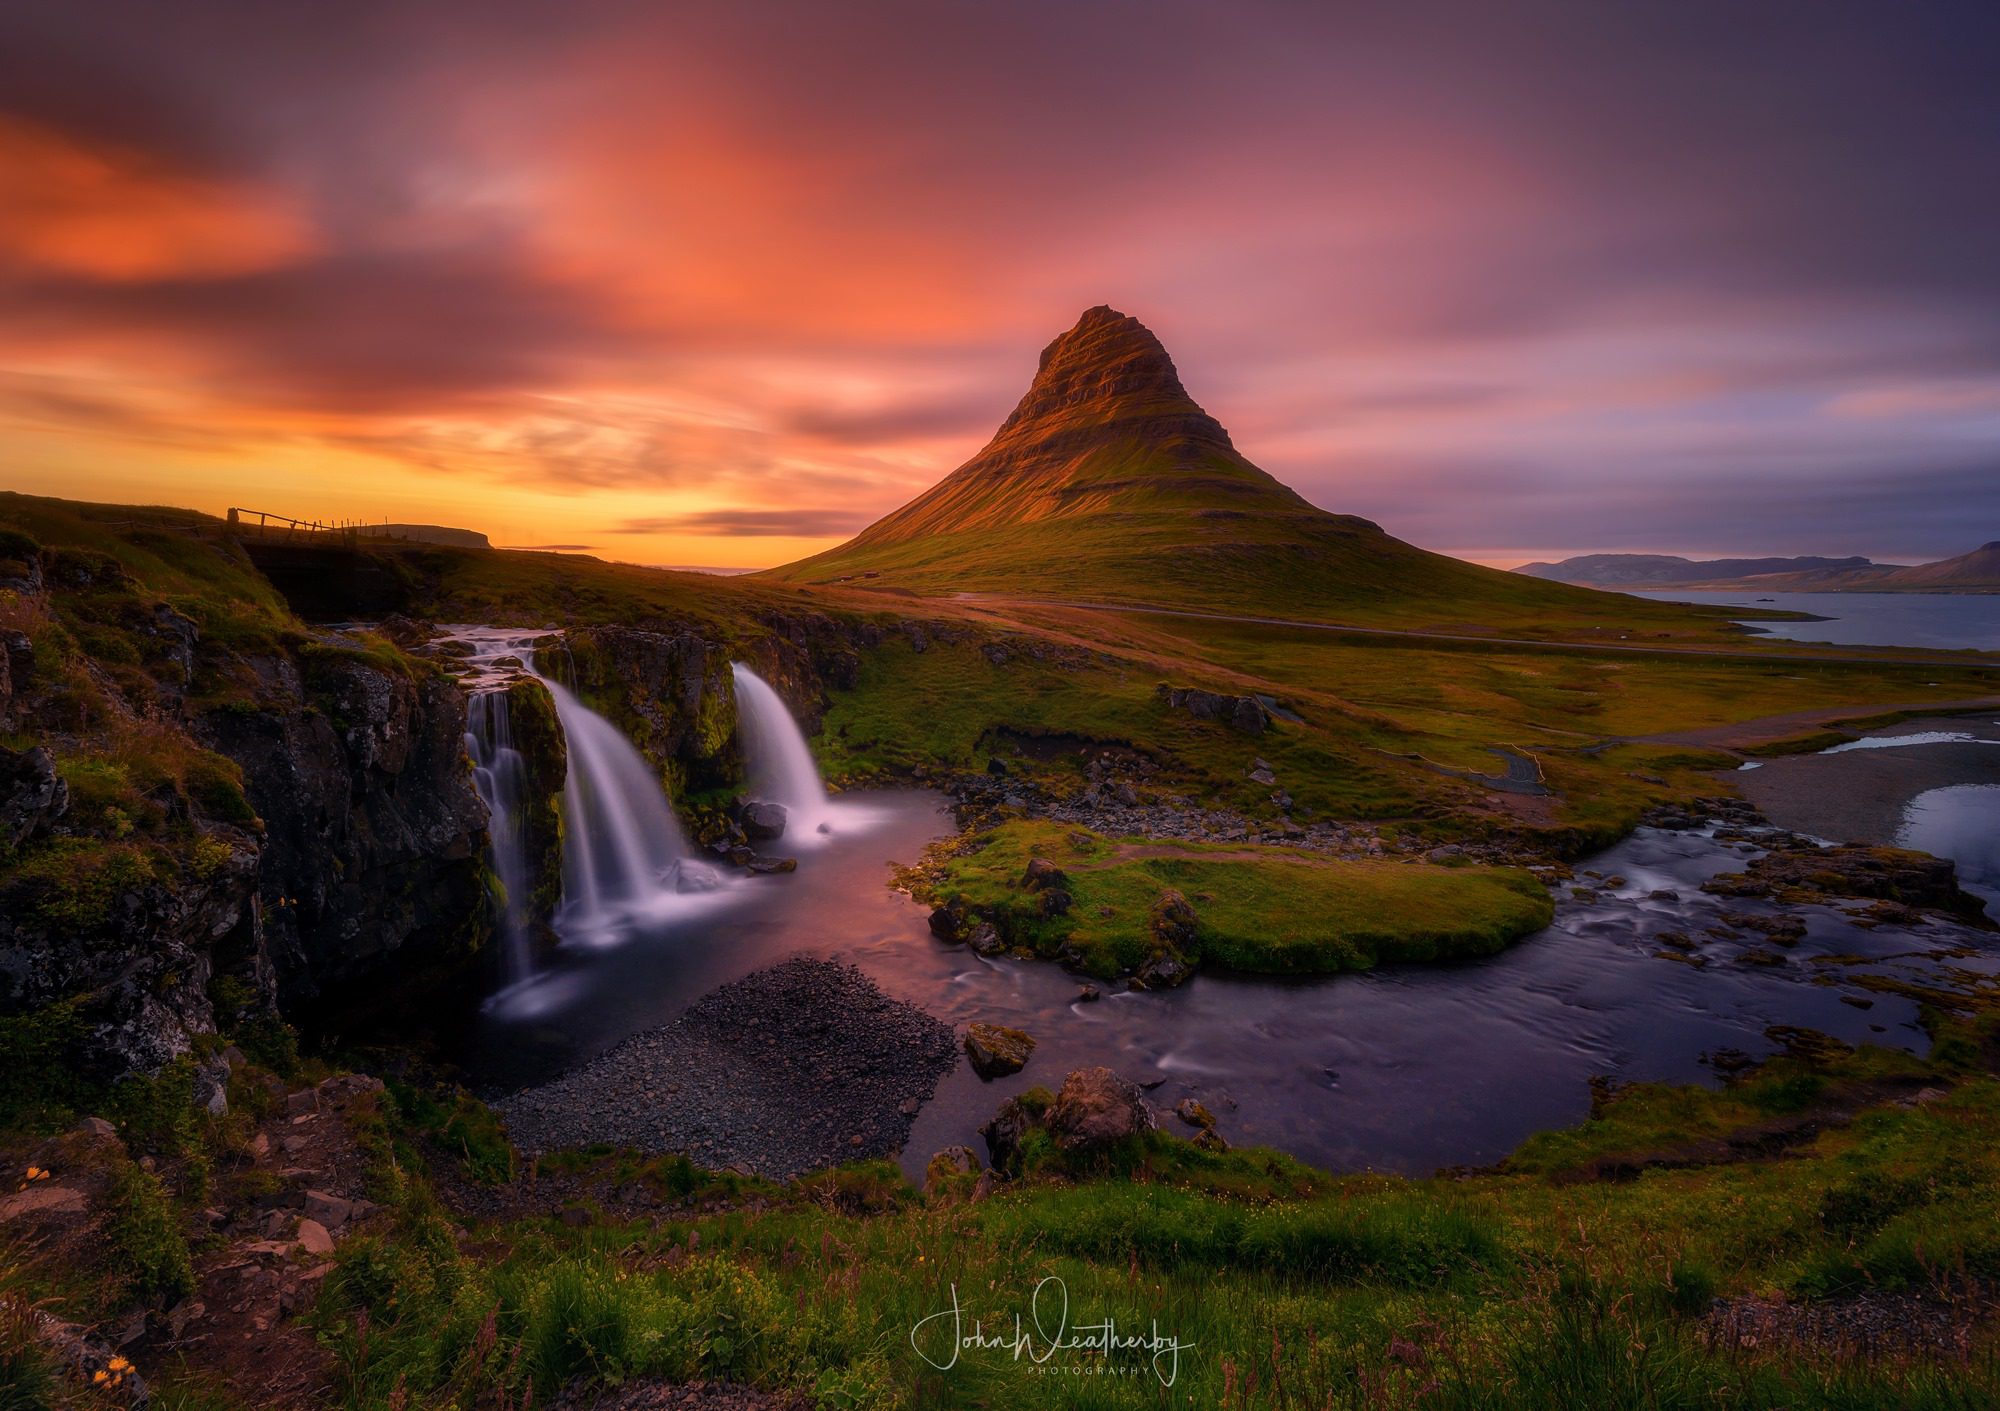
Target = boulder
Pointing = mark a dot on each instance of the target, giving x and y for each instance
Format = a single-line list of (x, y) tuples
[(1095, 1110), (986, 940), (313, 1238), (950, 921), (1162, 970), (1191, 1111), (996, 1051), (764, 821), (1244, 713), (949, 1164), (1043, 875), (1172, 920), (1007, 1130)]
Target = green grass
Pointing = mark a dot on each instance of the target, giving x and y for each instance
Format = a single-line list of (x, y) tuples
[(1267, 911)]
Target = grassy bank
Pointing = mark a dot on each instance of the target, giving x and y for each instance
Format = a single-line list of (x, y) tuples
[(1264, 910), (1608, 1266)]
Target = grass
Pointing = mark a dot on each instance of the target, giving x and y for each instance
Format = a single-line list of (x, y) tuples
[(1267, 911), (1283, 1288)]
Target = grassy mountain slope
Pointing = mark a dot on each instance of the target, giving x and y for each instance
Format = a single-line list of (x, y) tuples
[(1108, 482)]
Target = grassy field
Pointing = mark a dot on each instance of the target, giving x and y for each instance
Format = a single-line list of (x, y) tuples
[(1258, 910)]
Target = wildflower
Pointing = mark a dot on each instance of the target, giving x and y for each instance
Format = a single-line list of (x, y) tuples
[(119, 1364), (100, 1377)]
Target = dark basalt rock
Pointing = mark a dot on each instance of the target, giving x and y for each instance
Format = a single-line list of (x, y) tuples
[(671, 693), (764, 821), (1243, 713), (1897, 875), (373, 829), (32, 795), (995, 1050), (1094, 1112)]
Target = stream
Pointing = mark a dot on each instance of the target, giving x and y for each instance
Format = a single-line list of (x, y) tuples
[(1403, 1069)]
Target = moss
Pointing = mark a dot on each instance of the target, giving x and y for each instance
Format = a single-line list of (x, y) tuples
[(72, 883), (1268, 910), (147, 1243), (39, 1084)]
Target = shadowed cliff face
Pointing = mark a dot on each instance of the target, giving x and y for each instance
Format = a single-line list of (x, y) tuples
[(216, 813)]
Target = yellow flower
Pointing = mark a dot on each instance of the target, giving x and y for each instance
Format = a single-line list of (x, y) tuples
[(101, 1377), (119, 1364)]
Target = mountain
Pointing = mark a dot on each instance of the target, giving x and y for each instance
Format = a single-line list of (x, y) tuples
[(1109, 483), (1670, 570), (1976, 572)]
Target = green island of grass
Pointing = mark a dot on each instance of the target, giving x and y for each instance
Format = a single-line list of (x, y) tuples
[(1261, 910)]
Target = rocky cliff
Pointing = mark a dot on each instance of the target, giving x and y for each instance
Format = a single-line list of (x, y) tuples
[(203, 806)]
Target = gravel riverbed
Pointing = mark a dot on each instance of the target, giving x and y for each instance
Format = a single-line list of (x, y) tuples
[(792, 1069)]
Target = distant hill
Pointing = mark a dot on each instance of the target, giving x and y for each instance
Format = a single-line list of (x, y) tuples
[(1109, 483), (1976, 572), (1672, 571), (428, 534)]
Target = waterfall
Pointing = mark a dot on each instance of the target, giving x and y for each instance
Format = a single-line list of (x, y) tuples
[(622, 845), (498, 774), (779, 762), (624, 856)]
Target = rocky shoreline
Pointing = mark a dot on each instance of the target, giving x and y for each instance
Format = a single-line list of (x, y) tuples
[(795, 1068)]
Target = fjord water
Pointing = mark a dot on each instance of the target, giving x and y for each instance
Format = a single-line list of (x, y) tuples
[(1964, 621), (1961, 822), (1405, 1068)]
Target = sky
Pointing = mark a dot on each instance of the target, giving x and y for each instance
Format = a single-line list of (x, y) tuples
[(718, 285)]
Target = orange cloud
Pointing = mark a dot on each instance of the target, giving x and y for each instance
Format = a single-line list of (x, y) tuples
[(120, 214)]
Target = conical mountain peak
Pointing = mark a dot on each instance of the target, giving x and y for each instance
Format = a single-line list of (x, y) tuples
[(1108, 367)]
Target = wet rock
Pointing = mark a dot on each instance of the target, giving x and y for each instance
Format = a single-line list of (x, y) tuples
[(765, 866), (1089, 994), (764, 821), (950, 921), (1191, 1111), (986, 940), (952, 1162), (996, 1051), (1096, 1109), (1162, 970), (672, 693), (371, 863), (1888, 874)]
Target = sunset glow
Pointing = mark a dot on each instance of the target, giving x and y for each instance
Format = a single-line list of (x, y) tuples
[(720, 286)]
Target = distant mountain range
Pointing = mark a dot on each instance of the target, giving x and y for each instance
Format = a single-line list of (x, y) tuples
[(1975, 572)]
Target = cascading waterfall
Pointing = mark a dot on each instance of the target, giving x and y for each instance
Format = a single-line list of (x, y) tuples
[(622, 845), (779, 761), (499, 774), (624, 856)]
